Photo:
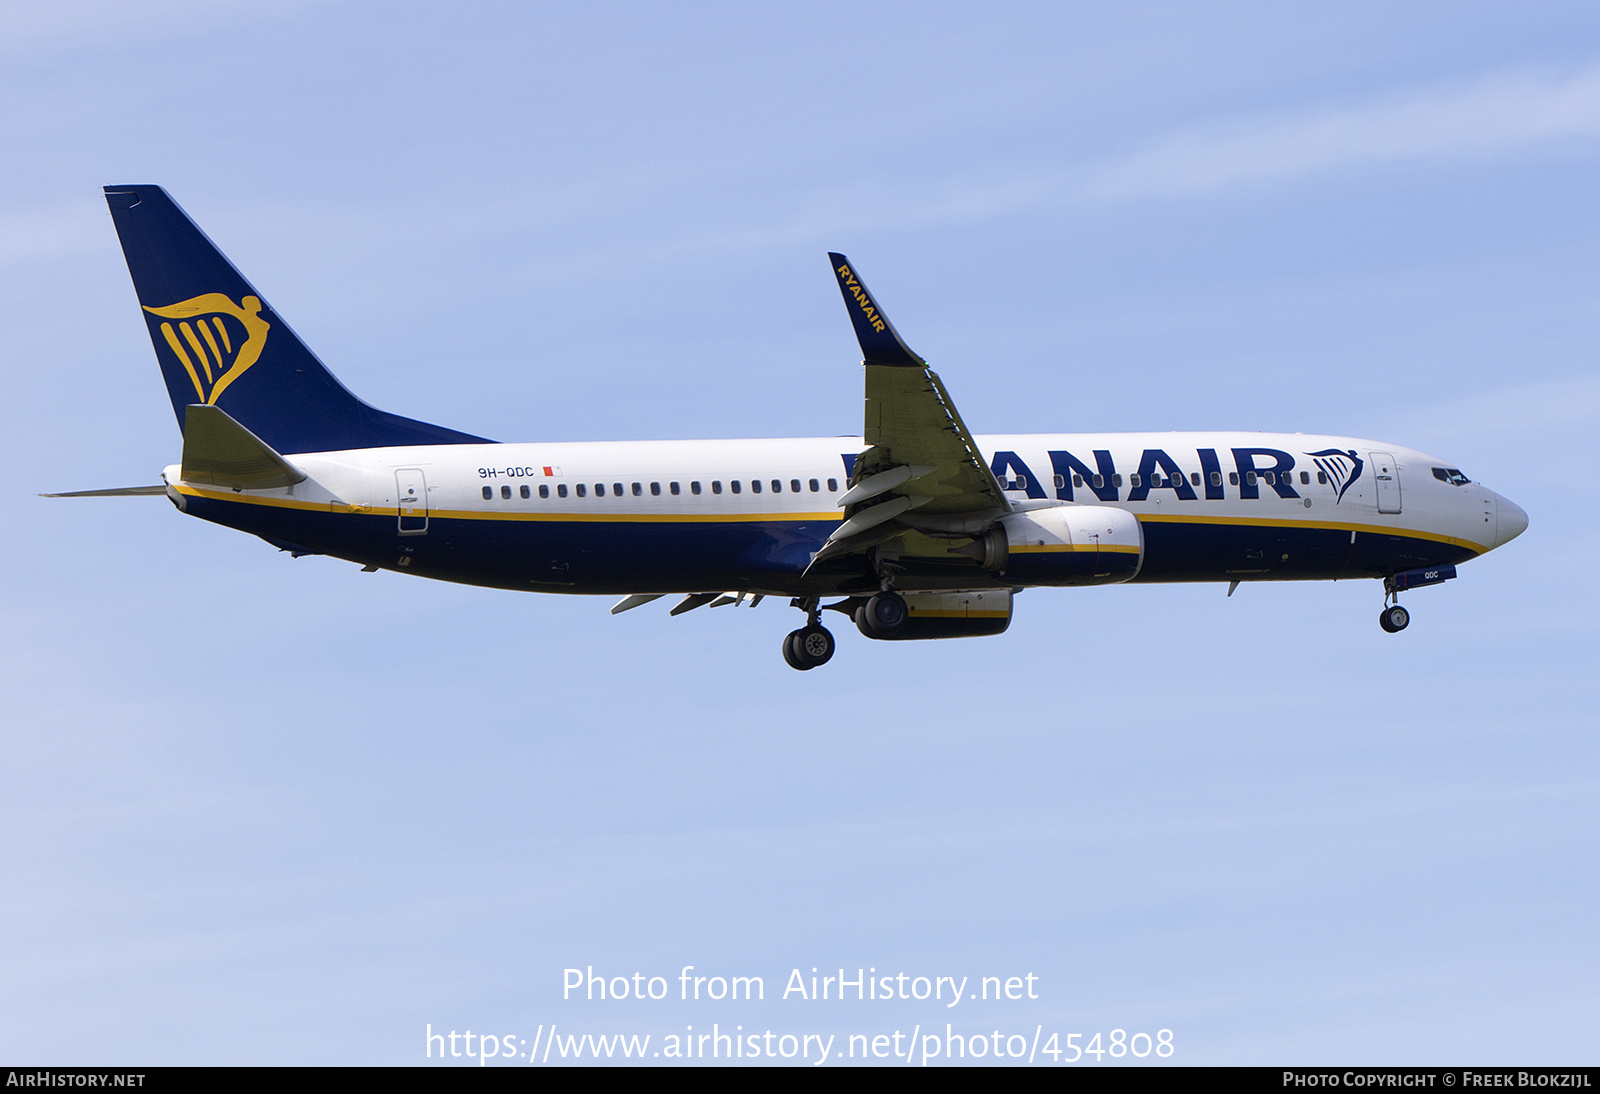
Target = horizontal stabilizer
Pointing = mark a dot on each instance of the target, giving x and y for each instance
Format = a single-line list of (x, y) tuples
[(880, 342), (117, 492), (219, 451)]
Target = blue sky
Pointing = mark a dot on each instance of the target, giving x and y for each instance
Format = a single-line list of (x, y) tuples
[(267, 810)]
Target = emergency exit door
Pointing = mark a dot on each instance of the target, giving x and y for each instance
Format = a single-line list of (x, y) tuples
[(413, 498), (1388, 476)]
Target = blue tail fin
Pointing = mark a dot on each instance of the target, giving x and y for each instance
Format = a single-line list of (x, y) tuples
[(220, 344)]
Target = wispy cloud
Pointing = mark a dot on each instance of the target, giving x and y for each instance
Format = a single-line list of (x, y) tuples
[(47, 230), (28, 25), (1540, 411), (1491, 116)]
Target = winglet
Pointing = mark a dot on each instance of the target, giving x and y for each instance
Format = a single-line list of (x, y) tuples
[(881, 344)]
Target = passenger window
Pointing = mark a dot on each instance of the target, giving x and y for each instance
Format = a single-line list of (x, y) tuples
[(505, 492), (1116, 480), (733, 484), (1250, 478), (1233, 478), (833, 486), (794, 486), (1272, 479), (694, 488), (1194, 478), (655, 490), (674, 488), (1077, 480), (716, 486), (1133, 479), (544, 491), (616, 489), (639, 489), (815, 486), (581, 492), (755, 486), (526, 493), (1216, 478), (1099, 482), (777, 486), (488, 492), (1322, 477), (561, 490)]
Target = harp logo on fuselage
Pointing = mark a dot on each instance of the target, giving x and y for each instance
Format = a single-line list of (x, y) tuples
[(1342, 466), (214, 339)]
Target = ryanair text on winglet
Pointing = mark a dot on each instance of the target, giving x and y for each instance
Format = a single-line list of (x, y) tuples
[(859, 291)]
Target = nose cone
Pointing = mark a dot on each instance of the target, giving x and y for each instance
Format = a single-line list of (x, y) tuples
[(1510, 521)]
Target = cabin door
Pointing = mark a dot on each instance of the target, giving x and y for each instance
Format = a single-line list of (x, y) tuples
[(413, 498), (1388, 476)]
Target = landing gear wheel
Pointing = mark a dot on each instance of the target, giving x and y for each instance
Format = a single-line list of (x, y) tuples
[(815, 645), (1394, 619), (791, 652), (883, 616), (807, 648)]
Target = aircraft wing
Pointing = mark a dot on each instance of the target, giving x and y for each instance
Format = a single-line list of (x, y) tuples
[(920, 455)]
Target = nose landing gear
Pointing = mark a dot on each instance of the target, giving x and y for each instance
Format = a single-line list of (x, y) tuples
[(1394, 618)]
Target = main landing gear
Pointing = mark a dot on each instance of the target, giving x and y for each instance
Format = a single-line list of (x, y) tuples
[(808, 647), (883, 615), (812, 644)]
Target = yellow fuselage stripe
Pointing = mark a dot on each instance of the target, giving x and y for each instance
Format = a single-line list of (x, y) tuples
[(1325, 525), (835, 517), (1074, 548)]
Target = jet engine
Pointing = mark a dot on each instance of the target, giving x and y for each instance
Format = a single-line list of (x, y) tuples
[(1063, 545), (942, 615)]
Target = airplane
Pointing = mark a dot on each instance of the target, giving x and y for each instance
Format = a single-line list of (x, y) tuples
[(920, 529)]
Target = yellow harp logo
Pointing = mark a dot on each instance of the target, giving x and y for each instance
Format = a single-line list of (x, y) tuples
[(215, 339)]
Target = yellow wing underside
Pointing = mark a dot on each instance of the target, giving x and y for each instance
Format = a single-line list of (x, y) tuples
[(911, 421)]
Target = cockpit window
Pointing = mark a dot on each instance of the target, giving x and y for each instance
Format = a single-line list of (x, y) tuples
[(1450, 475)]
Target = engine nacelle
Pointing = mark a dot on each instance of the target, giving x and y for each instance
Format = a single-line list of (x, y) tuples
[(1070, 545), (952, 615)]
